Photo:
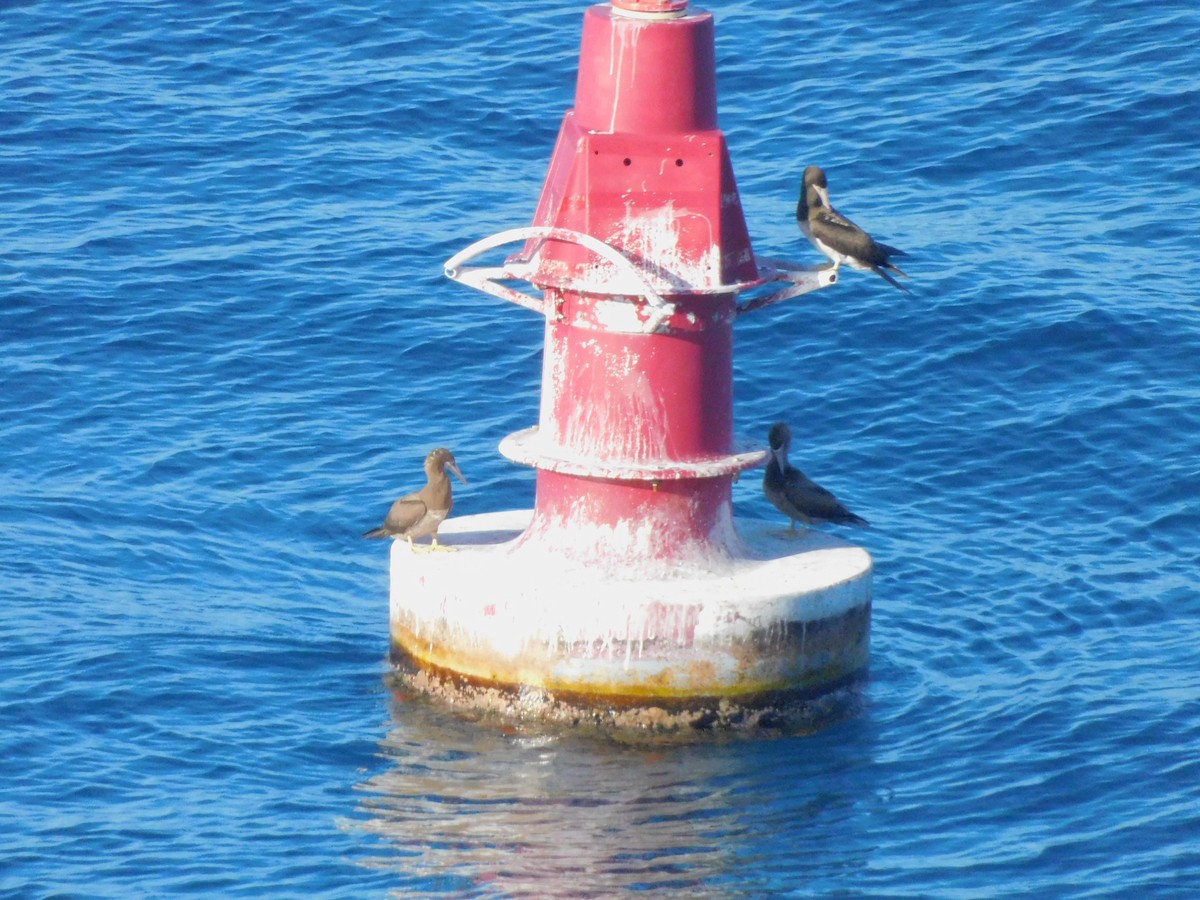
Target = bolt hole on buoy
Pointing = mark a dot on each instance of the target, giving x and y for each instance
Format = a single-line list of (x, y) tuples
[(628, 161), (679, 162)]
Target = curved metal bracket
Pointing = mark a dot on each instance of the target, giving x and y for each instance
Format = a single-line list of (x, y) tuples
[(488, 278), (800, 280)]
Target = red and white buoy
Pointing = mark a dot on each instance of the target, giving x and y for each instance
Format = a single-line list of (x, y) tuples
[(630, 586)]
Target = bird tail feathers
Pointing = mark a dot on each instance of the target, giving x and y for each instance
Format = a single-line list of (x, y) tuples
[(892, 281), (892, 251)]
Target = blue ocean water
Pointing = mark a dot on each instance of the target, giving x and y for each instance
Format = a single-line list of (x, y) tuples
[(227, 344)]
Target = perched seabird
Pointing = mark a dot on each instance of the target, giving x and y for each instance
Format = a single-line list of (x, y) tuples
[(418, 514), (836, 236), (794, 494)]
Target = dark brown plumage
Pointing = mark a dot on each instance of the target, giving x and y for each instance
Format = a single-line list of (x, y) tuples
[(794, 494), (420, 513), (836, 236)]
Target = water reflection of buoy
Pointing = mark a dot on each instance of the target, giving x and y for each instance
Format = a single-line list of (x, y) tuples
[(629, 593)]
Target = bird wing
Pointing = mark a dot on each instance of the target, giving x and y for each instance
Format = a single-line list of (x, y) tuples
[(835, 219), (842, 235), (811, 497), (405, 513)]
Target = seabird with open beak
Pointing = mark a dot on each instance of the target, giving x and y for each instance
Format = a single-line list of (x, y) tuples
[(839, 238), (794, 494), (420, 513)]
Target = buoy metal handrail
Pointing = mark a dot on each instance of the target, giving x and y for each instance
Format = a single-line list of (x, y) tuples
[(487, 278), (801, 279)]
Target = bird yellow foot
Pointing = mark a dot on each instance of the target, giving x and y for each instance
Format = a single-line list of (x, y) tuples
[(795, 533), (444, 548)]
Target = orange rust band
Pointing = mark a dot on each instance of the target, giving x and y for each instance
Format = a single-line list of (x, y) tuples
[(841, 642)]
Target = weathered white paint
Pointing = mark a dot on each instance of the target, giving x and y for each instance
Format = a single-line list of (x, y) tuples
[(527, 599), (618, 316), (533, 447)]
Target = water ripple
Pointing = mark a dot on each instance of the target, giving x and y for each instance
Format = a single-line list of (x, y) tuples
[(227, 344)]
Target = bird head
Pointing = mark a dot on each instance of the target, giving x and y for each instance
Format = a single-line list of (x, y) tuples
[(439, 460), (779, 439), (816, 187)]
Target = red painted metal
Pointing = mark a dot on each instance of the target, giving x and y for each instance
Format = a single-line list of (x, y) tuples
[(629, 588), (641, 165)]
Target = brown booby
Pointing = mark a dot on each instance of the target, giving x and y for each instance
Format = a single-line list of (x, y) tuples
[(418, 514), (794, 494), (836, 236)]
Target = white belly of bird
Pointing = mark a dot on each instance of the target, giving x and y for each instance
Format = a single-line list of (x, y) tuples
[(838, 258)]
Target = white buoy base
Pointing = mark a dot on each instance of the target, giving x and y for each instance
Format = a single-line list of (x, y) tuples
[(783, 614)]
